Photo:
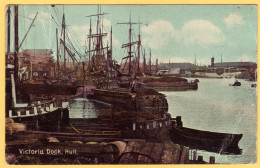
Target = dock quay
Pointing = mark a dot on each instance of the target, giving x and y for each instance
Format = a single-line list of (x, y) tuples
[(39, 147), (97, 143)]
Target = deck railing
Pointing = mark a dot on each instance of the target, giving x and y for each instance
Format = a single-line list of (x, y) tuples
[(36, 108)]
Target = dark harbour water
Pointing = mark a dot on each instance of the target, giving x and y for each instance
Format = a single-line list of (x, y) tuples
[(215, 106)]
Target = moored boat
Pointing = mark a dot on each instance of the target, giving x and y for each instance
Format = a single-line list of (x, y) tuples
[(138, 100), (237, 83), (169, 83), (36, 114), (46, 115), (206, 140)]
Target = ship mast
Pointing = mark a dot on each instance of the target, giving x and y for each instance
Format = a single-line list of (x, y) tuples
[(138, 49), (111, 42), (16, 43), (98, 48), (58, 60), (156, 66), (129, 45), (89, 42), (98, 36), (221, 60), (8, 32), (144, 63), (28, 30), (63, 31), (195, 62), (150, 62), (109, 56)]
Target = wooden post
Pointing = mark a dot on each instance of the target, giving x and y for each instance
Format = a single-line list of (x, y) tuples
[(212, 160), (59, 120), (200, 158), (194, 155)]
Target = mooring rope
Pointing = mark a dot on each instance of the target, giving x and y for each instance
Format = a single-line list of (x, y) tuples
[(75, 129)]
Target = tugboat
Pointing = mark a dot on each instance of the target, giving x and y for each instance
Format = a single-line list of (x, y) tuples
[(236, 83), (254, 85)]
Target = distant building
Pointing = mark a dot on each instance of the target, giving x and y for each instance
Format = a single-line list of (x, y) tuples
[(42, 56), (236, 64), (181, 66), (244, 70), (35, 63), (244, 67)]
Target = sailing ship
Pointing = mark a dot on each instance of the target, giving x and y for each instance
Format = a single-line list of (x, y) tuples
[(35, 113)]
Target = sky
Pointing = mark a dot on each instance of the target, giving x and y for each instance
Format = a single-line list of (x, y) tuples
[(173, 33)]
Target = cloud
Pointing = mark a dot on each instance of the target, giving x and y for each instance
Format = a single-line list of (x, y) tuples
[(106, 23), (234, 19), (195, 32), (80, 32), (178, 60), (42, 17), (43, 25), (157, 34), (201, 33)]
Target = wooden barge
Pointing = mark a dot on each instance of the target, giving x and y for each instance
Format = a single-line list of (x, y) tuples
[(169, 83), (206, 140), (139, 100)]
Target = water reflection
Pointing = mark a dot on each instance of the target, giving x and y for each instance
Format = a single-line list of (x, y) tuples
[(215, 106), (85, 108)]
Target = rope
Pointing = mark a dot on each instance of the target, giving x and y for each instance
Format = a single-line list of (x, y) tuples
[(75, 129)]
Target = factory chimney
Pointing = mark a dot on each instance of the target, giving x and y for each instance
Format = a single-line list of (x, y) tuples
[(212, 62)]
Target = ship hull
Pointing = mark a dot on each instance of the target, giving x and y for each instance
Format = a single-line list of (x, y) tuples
[(169, 84), (205, 140), (54, 120), (184, 87)]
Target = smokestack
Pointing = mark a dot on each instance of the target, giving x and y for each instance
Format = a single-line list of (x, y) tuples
[(212, 62)]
